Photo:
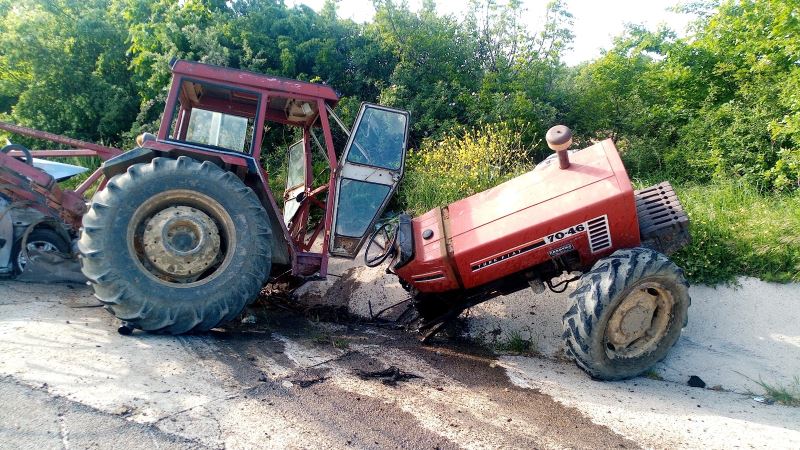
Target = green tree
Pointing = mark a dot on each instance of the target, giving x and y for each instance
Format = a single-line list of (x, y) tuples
[(65, 68)]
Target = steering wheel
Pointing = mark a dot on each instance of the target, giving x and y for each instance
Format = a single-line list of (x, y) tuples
[(25, 151), (381, 244)]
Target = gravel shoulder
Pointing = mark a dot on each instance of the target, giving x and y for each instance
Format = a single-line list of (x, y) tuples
[(283, 382), (289, 382)]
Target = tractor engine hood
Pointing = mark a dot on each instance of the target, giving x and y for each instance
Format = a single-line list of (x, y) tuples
[(526, 221)]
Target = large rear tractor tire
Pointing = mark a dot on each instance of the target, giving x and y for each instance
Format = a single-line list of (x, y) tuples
[(628, 312), (176, 245)]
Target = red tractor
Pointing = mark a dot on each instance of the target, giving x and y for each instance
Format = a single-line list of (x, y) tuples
[(578, 215), (184, 231)]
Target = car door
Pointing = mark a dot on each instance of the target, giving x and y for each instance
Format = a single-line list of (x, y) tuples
[(295, 181), (370, 170)]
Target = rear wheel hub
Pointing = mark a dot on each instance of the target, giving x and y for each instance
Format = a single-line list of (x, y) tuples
[(181, 241)]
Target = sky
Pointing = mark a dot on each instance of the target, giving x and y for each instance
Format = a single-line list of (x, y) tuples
[(597, 22)]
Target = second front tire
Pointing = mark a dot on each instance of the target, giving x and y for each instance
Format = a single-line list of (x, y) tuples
[(176, 245), (628, 312)]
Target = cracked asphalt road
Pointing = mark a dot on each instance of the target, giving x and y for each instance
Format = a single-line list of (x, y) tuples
[(284, 382), (31, 418)]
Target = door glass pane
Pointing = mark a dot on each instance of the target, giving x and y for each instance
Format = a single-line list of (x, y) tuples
[(296, 166), (359, 201), (379, 140)]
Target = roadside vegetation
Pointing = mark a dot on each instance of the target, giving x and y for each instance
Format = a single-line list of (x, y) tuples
[(461, 164), (717, 113), (518, 345), (785, 395)]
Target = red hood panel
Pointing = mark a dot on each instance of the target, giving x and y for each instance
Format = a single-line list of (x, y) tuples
[(587, 166)]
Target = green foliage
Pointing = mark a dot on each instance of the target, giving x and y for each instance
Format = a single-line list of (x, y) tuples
[(717, 111), (785, 395), (738, 231), (64, 68), (462, 164), (721, 104)]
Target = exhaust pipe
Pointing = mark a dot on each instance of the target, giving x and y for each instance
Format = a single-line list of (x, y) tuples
[(559, 139)]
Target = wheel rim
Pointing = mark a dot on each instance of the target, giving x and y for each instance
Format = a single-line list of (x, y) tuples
[(181, 238), (40, 246), (640, 321)]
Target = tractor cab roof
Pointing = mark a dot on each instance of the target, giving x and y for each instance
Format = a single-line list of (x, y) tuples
[(289, 101)]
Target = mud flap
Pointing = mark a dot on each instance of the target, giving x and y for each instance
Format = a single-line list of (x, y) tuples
[(51, 267)]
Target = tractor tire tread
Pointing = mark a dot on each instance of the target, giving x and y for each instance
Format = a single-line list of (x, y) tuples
[(119, 291), (594, 300)]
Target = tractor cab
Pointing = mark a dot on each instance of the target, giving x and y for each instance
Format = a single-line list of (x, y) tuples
[(220, 115)]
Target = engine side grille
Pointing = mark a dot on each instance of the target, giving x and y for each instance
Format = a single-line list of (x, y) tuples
[(663, 224), (599, 237)]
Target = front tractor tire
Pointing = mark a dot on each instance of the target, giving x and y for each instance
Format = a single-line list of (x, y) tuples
[(176, 245), (628, 311)]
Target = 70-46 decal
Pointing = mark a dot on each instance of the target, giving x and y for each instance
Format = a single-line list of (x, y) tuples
[(565, 233)]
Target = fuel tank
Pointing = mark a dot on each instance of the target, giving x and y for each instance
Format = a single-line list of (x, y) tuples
[(587, 209)]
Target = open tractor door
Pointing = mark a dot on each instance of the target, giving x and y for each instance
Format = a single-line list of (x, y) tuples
[(296, 180), (370, 170)]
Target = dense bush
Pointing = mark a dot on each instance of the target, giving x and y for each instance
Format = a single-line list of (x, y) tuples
[(719, 107), (462, 164), (721, 104)]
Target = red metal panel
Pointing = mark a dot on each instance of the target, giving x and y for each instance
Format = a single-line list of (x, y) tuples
[(509, 228), (430, 270), (87, 183), (256, 80), (57, 153), (588, 166), (333, 164), (166, 118), (259, 132), (39, 190), (173, 146)]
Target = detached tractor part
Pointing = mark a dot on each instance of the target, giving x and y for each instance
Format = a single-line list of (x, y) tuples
[(38, 220), (186, 232), (579, 215)]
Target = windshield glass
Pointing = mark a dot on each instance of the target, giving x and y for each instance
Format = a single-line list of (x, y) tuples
[(214, 116)]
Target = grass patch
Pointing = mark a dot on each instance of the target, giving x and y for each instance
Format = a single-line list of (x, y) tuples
[(334, 341), (518, 345), (737, 231), (653, 375), (785, 395)]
